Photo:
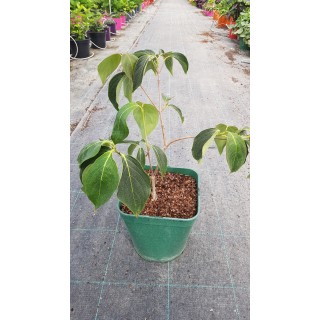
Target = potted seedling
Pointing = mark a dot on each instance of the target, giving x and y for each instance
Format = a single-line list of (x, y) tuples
[(158, 203), (79, 25), (96, 31), (111, 27), (118, 20)]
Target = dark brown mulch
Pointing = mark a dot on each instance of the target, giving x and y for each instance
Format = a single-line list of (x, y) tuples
[(176, 197)]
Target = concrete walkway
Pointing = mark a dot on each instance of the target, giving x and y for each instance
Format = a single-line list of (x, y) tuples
[(210, 280)]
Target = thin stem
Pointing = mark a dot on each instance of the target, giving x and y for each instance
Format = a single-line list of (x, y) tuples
[(149, 159), (147, 95), (160, 115), (173, 141), (153, 185), (152, 177)]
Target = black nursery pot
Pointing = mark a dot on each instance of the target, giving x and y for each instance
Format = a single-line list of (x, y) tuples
[(107, 31), (98, 39), (113, 29), (83, 48)]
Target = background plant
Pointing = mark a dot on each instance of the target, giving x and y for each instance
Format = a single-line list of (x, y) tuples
[(99, 172), (242, 26), (79, 22), (237, 6), (223, 6), (209, 5), (96, 21)]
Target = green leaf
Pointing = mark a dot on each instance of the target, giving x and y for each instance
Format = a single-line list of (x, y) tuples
[(147, 117), (177, 110), (134, 187), (86, 163), (127, 88), (113, 88), (161, 159), (89, 151), (128, 62), (221, 143), (169, 64), (244, 131), (141, 157), (118, 89), (236, 151), (100, 179), (131, 148), (139, 71), (232, 129), (108, 65), (165, 98), (182, 60), (222, 127), (120, 129), (143, 52), (201, 143), (152, 65)]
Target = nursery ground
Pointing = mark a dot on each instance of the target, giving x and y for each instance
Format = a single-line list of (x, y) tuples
[(210, 280)]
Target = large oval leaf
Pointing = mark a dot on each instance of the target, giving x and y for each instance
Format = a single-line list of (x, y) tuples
[(236, 151), (139, 71), (182, 59), (144, 52), (120, 129), (128, 62), (89, 151), (127, 87), (134, 188), (202, 142), (108, 65), (141, 157), (169, 64), (161, 159), (114, 89), (147, 117), (86, 163), (100, 179)]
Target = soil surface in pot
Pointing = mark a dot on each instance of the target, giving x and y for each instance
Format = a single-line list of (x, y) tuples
[(176, 197)]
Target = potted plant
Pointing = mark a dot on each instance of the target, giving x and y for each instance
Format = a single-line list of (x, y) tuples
[(118, 7), (222, 7), (110, 28), (208, 8), (79, 25), (118, 20), (242, 29), (237, 6), (96, 31), (158, 203)]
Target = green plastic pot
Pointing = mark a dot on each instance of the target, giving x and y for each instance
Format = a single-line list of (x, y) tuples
[(160, 239), (242, 45)]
